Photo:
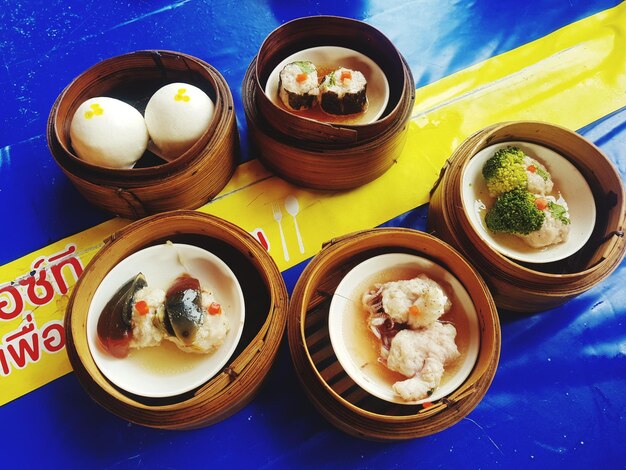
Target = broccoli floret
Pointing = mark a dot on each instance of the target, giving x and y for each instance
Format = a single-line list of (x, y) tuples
[(515, 212), (505, 170), (558, 212)]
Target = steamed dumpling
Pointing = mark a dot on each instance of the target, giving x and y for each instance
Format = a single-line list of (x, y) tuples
[(108, 132), (555, 227), (421, 356), (176, 116), (539, 179), (417, 302)]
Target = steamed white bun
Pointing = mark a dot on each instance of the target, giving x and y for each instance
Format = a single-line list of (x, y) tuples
[(108, 132), (176, 116)]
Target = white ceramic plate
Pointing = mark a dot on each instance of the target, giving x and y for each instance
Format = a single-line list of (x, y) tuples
[(567, 179), (355, 345), (335, 57), (164, 370)]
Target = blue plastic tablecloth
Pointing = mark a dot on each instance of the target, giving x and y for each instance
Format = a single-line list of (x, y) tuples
[(559, 395)]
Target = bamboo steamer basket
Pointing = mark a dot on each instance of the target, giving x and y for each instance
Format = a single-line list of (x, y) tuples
[(526, 287), (331, 390), (266, 313), (154, 185), (322, 155)]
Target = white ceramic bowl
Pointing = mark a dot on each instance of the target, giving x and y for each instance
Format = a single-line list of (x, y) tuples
[(335, 57), (355, 345), (164, 370), (567, 180)]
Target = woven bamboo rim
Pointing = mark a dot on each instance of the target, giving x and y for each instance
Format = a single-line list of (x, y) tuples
[(331, 390), (238, 382), (184, 183), (313, 31), (332, 166), (531, 287)]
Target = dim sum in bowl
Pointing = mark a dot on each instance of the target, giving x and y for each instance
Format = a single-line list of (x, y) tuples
[(184, 313), (528, 202), (322, 63), (404, 328)]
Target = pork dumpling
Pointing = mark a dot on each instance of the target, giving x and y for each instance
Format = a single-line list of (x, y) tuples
[(297, 85), (417, 302), (148, 306), (539, 179), (211, 334), (421, 356), (108, 132), (176, 116), (556, 224), (343, 91)]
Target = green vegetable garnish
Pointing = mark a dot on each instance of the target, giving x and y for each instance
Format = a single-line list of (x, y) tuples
[(558, 212), (331, 79), (515, 212), (305, 66), (541, 171)]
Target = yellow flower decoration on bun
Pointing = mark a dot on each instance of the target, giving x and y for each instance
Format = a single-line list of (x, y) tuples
[(181, 96), (95, 110)]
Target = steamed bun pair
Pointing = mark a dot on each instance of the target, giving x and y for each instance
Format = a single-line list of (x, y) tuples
[(111, 133)]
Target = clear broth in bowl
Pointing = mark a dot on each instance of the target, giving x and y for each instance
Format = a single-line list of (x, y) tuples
[(364, 346)]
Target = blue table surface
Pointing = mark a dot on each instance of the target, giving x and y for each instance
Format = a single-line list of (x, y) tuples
[(558, 398)]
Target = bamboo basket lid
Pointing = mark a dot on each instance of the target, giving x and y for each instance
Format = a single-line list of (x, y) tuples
[(154, 185), (527, 287), (327, 385), (237, 383)]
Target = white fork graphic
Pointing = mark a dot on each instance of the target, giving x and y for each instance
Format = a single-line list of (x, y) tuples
[(278, 217)]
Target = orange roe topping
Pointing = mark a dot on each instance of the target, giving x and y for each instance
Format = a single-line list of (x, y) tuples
[(413, 310), (142, 307), (215, 308), (301, 77), (346, 75), (541, 203), (532, 168)]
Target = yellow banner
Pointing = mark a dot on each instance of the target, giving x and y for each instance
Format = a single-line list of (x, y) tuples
[(33, 295), (571, 77)]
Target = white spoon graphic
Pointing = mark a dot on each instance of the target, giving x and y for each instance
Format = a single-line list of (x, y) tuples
[(292, 206)]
